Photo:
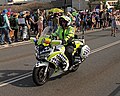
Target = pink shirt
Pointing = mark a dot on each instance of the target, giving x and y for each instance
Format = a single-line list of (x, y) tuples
[(40, 24)]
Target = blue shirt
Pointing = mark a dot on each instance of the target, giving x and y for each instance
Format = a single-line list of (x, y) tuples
[(7, 24)]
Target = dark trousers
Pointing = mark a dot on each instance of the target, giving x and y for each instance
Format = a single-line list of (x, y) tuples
[(36, 28), (16, 34), (68, 52), (29, 33), (4, 32)]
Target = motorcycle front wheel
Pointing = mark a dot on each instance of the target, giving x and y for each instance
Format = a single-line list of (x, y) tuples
[(39, 78)]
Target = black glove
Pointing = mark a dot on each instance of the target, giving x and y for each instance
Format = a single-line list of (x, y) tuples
[(70, 41), (63, 42)]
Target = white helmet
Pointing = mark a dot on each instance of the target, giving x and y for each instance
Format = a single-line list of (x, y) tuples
[(65, 18)]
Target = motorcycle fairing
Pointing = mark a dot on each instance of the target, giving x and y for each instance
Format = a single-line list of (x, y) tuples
[(38, 64), (59, 58)]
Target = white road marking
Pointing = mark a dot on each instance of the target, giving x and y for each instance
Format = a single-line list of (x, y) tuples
[(3, 84), (18, 78), (104, 47)]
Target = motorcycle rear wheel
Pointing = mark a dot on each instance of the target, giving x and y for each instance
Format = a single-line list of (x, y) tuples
[(38, 76)]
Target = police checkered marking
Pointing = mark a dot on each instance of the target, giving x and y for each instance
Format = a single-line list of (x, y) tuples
[(85, 51)]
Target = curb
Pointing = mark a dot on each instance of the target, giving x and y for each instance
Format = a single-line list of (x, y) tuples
[(15, 44), (28, 42), (89, 31)]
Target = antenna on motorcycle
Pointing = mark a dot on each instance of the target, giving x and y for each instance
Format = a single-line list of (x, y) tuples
[(83, 37)]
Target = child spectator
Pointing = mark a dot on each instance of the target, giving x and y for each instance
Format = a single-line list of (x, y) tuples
[(40, 26)]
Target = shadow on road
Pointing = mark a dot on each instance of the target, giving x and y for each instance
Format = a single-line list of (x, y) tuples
[(21, 78)]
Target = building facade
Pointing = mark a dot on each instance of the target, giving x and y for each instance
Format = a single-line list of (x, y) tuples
[(78, 4), (17, 1), (111, 3)]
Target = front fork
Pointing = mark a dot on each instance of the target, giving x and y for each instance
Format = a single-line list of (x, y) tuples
[(42, 64)]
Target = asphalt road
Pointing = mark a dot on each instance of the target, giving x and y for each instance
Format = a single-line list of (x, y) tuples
[(99, 75)]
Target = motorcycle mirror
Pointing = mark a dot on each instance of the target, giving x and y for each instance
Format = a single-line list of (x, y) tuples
[(33, 39)]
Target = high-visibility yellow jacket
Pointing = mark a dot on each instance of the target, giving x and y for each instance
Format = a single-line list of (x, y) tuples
[(64, 34)]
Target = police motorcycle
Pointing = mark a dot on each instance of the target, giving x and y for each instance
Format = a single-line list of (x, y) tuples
[(51, 60)]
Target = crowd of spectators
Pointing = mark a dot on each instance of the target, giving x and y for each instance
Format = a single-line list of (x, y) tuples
[(25, 23), (94, 20)]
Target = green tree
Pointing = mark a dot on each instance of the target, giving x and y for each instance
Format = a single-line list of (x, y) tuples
[(117, 5)]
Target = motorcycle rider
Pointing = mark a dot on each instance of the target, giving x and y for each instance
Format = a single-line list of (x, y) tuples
[(65, 32)]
